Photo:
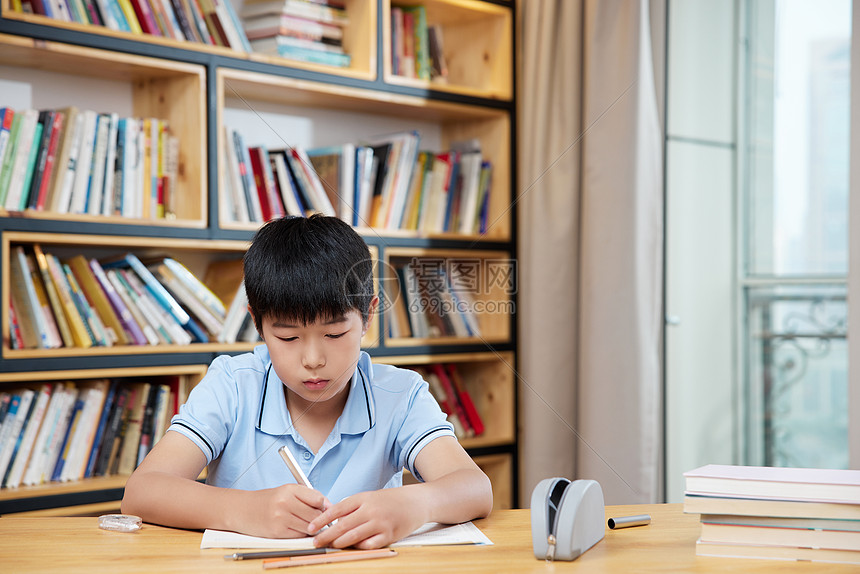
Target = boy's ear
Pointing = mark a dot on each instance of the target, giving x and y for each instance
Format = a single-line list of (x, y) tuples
[(371, 311), (253, 319)]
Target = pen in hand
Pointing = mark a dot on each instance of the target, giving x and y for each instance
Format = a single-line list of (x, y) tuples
[(294, 467), (297, 471)]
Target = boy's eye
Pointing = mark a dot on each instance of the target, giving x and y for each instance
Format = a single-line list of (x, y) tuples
[(287, 339), (336, 335)]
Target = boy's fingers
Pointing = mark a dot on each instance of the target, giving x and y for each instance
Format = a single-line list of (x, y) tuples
[(311, 497), (331, 514)]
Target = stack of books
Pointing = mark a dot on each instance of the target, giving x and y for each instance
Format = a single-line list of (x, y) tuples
[(58, 432), (417, 49), (79, 161), (212, 22), (384, 182), (776, 513), (305, 30)]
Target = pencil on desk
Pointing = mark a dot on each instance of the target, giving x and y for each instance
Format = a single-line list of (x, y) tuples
[(344, 556), (277, 553)]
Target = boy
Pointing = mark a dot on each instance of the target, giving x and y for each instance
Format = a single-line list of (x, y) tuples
[(353, 426)]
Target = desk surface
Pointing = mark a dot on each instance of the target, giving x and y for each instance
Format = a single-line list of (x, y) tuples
[(666, 545)]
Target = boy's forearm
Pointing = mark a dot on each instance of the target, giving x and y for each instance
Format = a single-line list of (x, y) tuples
[(170, 500), (459, 496)]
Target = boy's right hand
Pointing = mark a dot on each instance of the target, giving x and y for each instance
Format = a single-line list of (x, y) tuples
[(281, 512)]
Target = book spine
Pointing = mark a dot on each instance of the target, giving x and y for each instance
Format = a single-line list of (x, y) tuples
[(111, 436), (40, 326), (129, 324), (54, 297), (453, 398), (66, 173), (8, 145), (57, 126), (109, 168), (95, 449), (16, 472), (79, 328), (31, 194), (70, 424), (27, 135)]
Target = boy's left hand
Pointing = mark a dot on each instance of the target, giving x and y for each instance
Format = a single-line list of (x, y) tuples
[(369, 519)]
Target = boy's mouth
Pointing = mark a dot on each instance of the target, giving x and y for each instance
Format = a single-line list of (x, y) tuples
[(315, 384)]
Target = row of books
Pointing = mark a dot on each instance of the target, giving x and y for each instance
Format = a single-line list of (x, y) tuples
[(776, 513), (429, 305), (80, 161), (449, 388), (309, 31), (212, 22), (264, 184), (383, 182), (417, 49), (69, 431), (83, 303)]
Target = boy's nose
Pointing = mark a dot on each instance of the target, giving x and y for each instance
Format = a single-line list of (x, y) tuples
[(313, 358)]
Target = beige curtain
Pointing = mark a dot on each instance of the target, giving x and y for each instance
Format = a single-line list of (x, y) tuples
[(590, 248)]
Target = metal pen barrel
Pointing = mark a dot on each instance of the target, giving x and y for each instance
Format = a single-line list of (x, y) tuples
[(628, 521)]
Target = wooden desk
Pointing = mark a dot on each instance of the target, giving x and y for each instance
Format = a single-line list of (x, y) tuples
[(666, 545)]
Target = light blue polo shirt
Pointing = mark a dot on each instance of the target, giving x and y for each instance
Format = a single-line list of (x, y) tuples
[(237, 415)]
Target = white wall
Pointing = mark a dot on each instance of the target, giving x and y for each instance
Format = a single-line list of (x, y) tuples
[(51, 90), (276, 126)]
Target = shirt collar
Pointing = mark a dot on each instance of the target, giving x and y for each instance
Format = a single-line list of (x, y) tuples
[(358, 415)]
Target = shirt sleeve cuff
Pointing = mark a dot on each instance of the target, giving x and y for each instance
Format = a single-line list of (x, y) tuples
[(424, 440)]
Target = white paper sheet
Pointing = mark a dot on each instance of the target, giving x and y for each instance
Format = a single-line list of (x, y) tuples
[(431, 534)]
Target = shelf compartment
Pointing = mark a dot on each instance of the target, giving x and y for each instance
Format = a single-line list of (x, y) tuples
[(360, 44), (303, 104), (490, 381), (357, 42), (485, 285), (195, 254), (69, 492), (168, 90), (477, 42)]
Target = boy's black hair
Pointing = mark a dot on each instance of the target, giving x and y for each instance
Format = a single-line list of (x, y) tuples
[(307, 269)]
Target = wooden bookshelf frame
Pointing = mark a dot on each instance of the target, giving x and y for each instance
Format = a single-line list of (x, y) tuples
[(189, 85)]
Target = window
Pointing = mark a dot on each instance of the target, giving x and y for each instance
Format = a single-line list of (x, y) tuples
[(757, 179), (795, 116)]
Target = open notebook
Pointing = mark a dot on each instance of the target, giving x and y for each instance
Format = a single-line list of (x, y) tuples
[(431, 534)]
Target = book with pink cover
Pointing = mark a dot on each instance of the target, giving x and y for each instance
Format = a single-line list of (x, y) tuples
[(806, 484)]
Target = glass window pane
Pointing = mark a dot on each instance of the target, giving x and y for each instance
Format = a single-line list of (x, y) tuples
[(797, 137)]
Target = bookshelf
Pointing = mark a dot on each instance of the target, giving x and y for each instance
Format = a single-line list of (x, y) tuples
[(275, 102)]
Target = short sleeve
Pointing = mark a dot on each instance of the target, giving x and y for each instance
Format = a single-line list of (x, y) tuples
[(423, 423), (209, 415)]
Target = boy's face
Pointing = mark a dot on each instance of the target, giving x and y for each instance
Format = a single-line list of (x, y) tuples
[(315, 361)]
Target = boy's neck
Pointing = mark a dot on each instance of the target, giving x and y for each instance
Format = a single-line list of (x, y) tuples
[(314, 421)]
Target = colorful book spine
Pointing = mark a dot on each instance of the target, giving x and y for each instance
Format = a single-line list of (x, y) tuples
[(130, 326)]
